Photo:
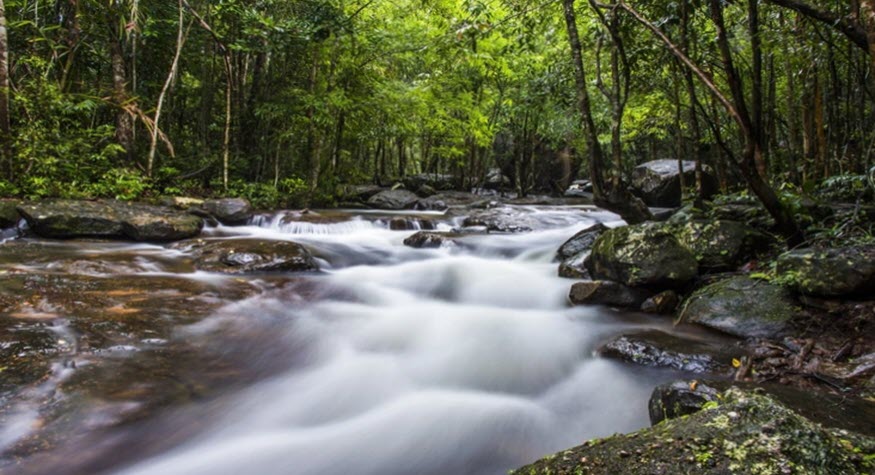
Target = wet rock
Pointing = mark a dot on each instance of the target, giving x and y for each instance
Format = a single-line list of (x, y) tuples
[(410, 224), (605, 292), (499, 220), (240, 256), (446, 199), (580, 242), (658, 349), (679, 398), (430, 239), (747, 433), (361, 193), (393, 200), (642, 255), (743, 307), (181, 202), (109, 219), (26, 352), (834, 272), (662, 303), (722, 245), (9, 216), (230, 211), (436, 181), (575, 267), (658, 182)]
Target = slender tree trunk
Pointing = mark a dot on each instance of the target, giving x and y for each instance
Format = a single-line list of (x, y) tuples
[(867, 11), (314, 138), (757, 83), (124, 122), (5, 133), (174, 66)]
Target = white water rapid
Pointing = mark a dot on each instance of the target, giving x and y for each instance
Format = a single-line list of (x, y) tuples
[(458, 360)]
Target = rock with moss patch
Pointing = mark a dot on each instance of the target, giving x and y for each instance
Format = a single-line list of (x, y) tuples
[(742, 307), (830, 272), (746, 434), (109, 219), (642, 255), (659, 349), (722, 245), (679, 398)]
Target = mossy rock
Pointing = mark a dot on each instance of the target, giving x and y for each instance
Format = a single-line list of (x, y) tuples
[(722, 245), (746, 433), (835, 272), (742, 307), (644, 255)]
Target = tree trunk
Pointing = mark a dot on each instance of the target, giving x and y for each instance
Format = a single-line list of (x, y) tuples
[(867, 11), (618, 199), (5, 135), (124, 121)]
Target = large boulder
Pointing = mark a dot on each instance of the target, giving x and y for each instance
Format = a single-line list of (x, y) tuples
[(663, 350), (447, 199), (393, 200), (742, 307), (658, 183), (830, 272), (722, 245), (642, 255), (606, 292), (108, 219), (746, 433), (496, 180), (230, 211), (242, 256), (431, 240)]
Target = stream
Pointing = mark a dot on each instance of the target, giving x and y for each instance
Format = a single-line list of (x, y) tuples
[(464, 359)]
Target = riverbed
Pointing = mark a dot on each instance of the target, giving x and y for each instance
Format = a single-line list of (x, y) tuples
[(463, 359)]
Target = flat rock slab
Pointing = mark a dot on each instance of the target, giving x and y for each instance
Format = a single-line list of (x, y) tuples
[(606, 292), (659, 349), (64, 219), (243, 256), (743, 307)]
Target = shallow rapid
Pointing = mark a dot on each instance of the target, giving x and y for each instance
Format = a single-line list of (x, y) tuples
[(464, 359)]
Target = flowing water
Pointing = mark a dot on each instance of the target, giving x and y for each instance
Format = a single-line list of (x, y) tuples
[(464, 359)]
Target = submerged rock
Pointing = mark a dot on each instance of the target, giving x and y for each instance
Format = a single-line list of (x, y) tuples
[(722, 245), (240, 256), (109, 219), (605, 292), (743, 307), (642, 255), (393, 200), (230, 211), (830, 272), (663, 350), (746, 433), (658, 182)]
